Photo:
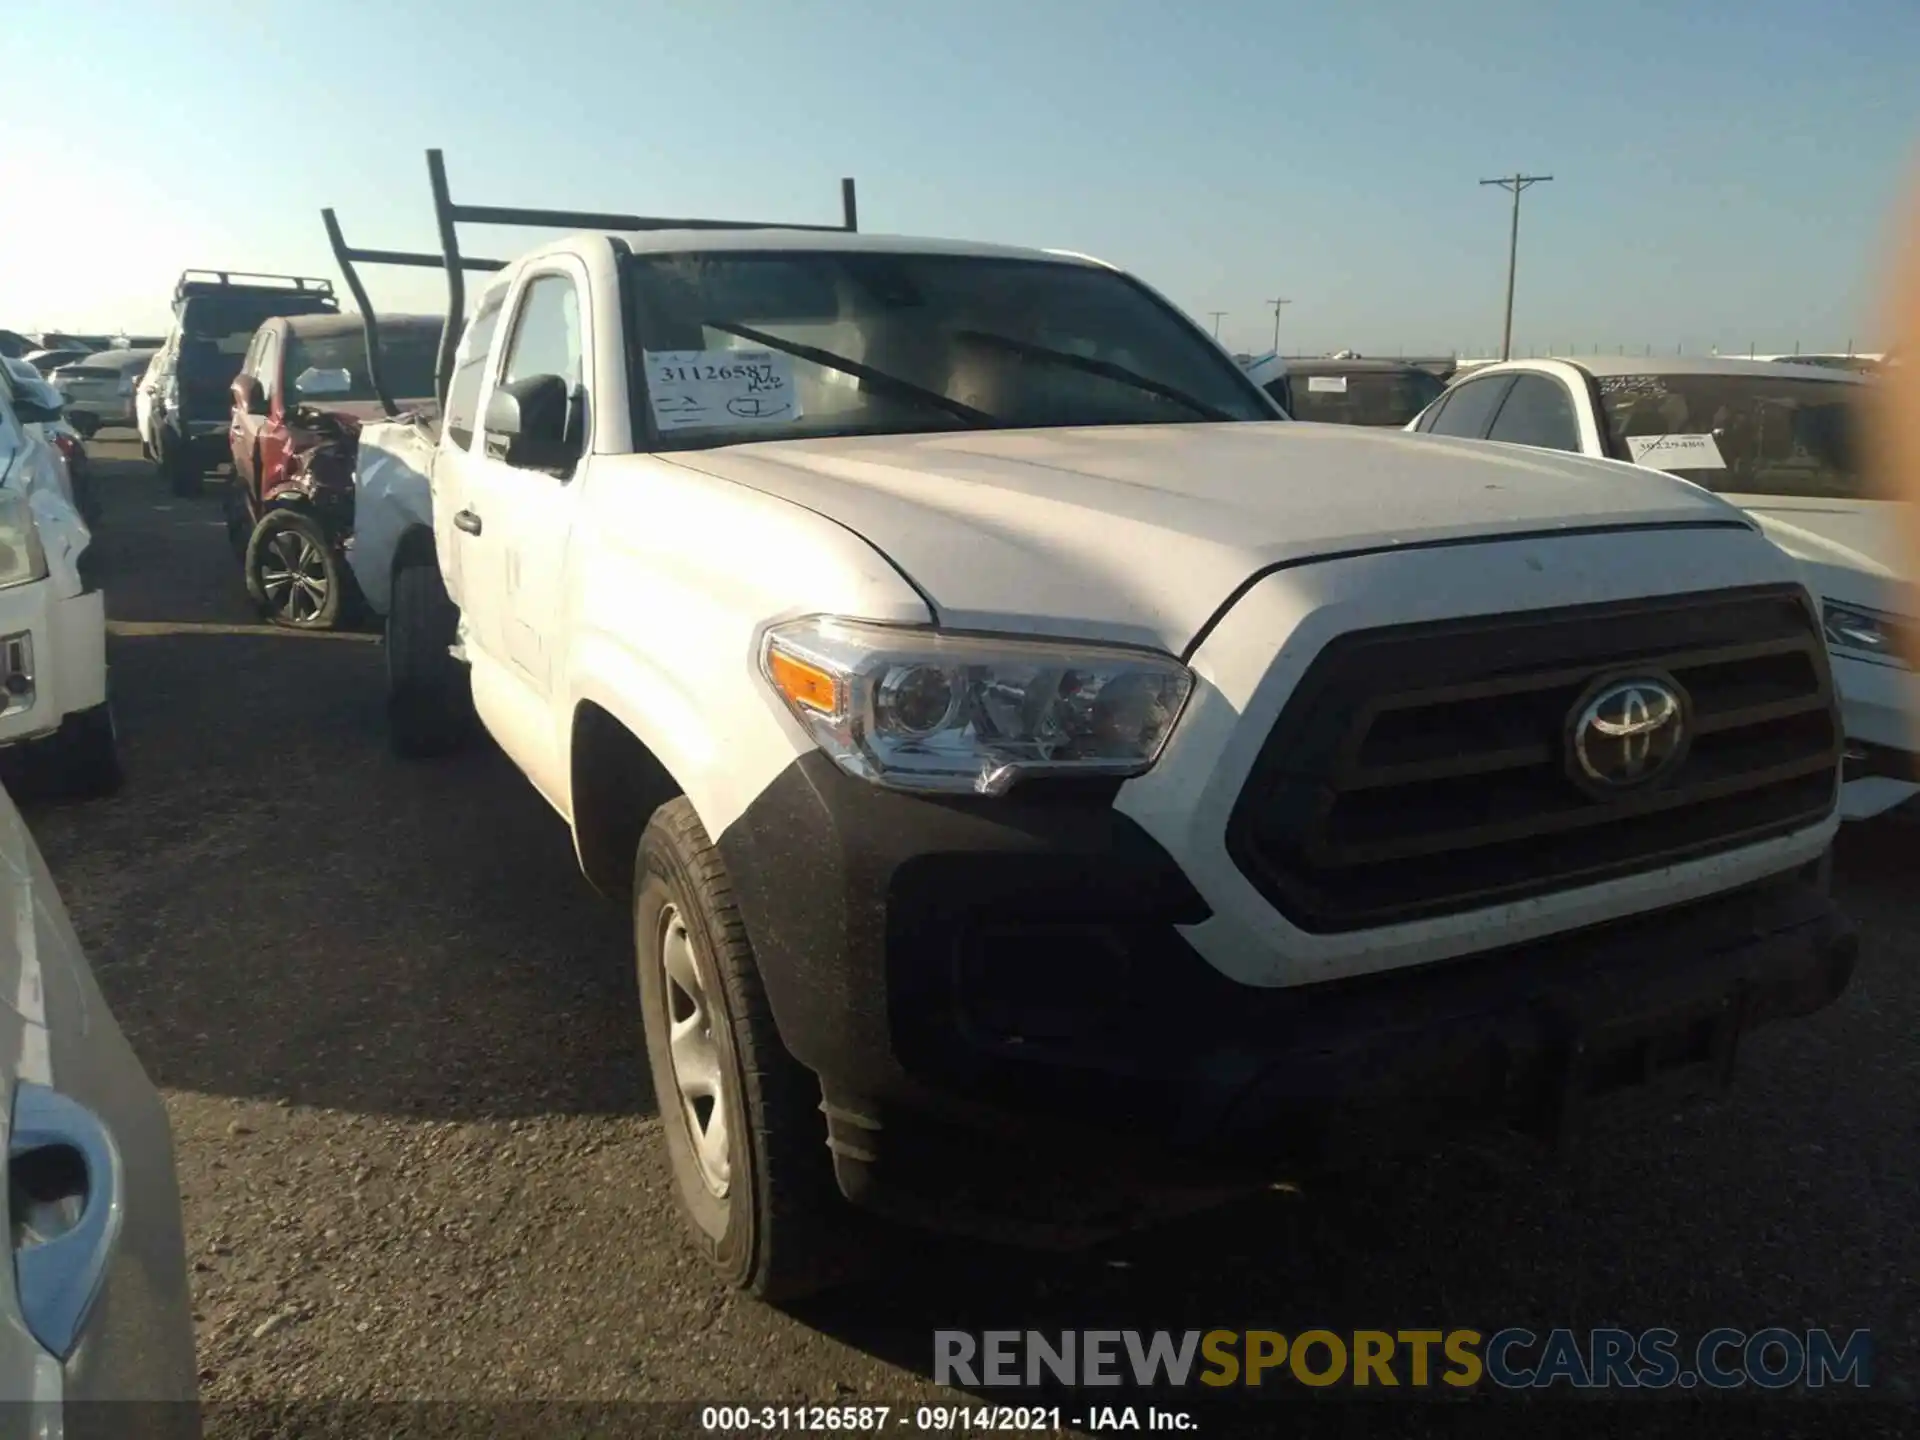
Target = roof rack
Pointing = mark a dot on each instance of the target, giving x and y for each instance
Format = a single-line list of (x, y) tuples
[(447, 215), (201, 281)]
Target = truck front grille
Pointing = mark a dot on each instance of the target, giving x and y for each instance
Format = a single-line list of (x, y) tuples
[(1427, 769)]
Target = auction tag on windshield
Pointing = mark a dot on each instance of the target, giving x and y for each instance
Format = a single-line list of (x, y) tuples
[(721, 388), (1676, 452), (1326, 384)]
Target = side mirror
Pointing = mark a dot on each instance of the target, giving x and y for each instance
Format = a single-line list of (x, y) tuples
[(32, 412), (316, 384), (527, 424)]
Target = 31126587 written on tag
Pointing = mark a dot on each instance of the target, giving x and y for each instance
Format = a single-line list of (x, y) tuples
[(721, 388)]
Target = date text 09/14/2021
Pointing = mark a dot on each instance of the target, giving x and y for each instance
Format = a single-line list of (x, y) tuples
[(938, 1419)]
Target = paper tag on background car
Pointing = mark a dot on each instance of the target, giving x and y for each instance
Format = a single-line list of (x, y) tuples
[(721, 388), (1327, 384), (1676, 452)]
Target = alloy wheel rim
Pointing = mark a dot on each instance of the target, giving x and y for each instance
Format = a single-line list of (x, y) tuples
[(293, 576), (693, 1054)]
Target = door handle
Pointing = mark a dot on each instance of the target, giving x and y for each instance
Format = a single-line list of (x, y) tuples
[(62, 1163), (468, 521)]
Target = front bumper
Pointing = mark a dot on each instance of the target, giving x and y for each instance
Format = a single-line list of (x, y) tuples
[(64, 657), (1001, 989), (207, 443), (1880, 704)]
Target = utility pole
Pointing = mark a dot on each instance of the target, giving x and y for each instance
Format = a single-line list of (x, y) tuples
[(1276, 304), (1216, 314), (1515, 182)]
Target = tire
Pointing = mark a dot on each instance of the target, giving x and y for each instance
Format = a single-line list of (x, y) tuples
[(81, 759), (181, 470), (429, 693), (775, 1225), (294, 574), (85, 426), (239, 522)]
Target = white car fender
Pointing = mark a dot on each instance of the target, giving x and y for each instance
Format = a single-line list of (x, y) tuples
[(694, 694), (64, 536), (392, 494)]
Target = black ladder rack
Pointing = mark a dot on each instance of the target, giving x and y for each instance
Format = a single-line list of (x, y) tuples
[(448, 215)]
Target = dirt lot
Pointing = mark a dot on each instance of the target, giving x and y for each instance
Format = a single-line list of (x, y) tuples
[(396, 1034)]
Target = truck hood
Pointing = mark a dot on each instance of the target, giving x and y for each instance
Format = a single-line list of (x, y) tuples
[(1141, 533), (1853, 550)]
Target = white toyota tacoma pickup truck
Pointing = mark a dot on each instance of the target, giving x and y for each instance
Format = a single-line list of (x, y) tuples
[(1049, 783)]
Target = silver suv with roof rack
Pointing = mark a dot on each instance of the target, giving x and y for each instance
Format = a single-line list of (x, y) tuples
[(215, 315)]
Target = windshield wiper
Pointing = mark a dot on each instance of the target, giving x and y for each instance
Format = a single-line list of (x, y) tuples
[(1105, 368), (881, 382)]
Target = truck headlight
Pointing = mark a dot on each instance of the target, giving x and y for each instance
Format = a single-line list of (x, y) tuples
[(1864, 632), (22, 558), (953, 714)]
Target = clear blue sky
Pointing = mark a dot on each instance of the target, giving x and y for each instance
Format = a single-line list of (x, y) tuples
[(1724, 172)]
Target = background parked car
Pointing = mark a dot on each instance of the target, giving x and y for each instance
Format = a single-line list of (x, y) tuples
[(25, 384), (48, 361), (98, 1284), (147, 392), (56, 720), (1780, 442), (1269, 372), (303, 392), (63, 340), (1357, 391), (216, 314), (98, 390)]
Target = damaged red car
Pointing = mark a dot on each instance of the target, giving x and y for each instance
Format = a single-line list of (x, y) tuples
[(303, 392)]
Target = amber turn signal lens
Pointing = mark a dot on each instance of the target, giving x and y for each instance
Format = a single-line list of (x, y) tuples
[(803, 684)]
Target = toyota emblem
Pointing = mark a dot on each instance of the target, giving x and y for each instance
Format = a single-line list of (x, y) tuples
[(1625, 733)]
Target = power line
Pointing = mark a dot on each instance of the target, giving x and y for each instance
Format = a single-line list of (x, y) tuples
[(1276, 304), (1515, 182)]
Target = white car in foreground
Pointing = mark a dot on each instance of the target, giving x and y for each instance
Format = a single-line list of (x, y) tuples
[(96, 1301), (1780, 441), (53, 630)]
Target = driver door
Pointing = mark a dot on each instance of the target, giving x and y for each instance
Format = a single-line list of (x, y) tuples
[(527, 516)]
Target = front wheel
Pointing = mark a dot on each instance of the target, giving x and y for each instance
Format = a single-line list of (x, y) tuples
[(429, 693), (741, 1117), (81, 759), (294, 575), (85, 426)]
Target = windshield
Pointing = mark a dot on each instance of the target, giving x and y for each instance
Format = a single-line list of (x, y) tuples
[(1367, 397), (760, 346), (407, 356), (229, 319), (1741, 434)]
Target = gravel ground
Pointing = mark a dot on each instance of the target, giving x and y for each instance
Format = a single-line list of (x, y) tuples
[(397, 1037)]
